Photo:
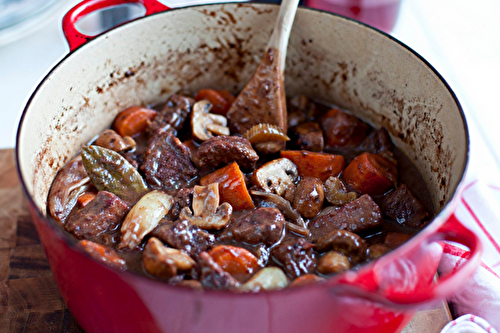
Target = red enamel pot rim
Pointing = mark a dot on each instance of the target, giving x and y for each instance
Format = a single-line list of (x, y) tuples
[(427, 233)]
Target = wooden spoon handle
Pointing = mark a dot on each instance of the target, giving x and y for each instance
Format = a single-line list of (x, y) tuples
[(282, 29)]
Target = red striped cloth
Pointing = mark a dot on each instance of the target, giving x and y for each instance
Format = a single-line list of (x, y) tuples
[(480, 296), (469, 324)]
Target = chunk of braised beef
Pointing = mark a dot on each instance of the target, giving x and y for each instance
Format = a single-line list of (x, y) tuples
[(296, 256), (308, 136), (394, 239), (212, 276), (173, 115), (356, 216), (106, 211), (377, 141), (183, 199), (300, 109), (260, 226), (345, 242), (184, 235), (223, 149), (193, 149), (342, 129), (133, 158), (167, 162), (402, 206)]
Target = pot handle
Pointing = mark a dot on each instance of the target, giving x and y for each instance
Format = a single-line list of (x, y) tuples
[(452, 230), (75, 38)]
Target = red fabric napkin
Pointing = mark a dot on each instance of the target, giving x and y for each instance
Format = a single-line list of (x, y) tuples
[(479, 296)]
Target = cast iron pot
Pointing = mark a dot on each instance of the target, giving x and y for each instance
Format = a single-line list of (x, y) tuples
[(330, 58)]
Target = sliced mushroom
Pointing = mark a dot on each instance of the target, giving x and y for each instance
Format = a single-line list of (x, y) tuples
[(144, 217), (345, 242), (263, 133), (71, 181), (207, 214), (164, 262), (278, 177), (269, 278), (309, 197), (268, 148), (302, 231), (376, 250), (336, 193), (112, 140), (218, 126), (204, 124), (333, 262)]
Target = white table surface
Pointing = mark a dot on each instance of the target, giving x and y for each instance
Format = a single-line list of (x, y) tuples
[(460, 38)]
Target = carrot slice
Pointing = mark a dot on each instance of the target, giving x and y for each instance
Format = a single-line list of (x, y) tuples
[(104, 254), (133, 120), (232, 186), (227, 95), (371, 174), (306, 279), (85, 198), (234, 260), (221, 100), (312, 164)]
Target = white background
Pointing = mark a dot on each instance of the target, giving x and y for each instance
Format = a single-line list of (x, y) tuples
[(460, 38)]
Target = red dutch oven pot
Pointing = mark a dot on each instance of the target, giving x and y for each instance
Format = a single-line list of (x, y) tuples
[(330, 58)]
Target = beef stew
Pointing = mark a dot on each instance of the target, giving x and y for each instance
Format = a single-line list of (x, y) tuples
[(170, 192)]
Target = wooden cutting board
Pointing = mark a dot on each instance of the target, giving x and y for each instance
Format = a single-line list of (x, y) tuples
[(30, 300)]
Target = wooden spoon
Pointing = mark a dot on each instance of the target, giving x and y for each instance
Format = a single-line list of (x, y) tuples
[(262, 101)]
